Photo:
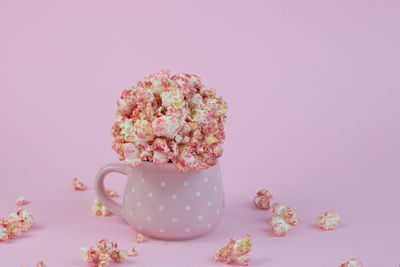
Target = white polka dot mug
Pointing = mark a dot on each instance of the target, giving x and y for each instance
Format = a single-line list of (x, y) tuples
[(162, 203)]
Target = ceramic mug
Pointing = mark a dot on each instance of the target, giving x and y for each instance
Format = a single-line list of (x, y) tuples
[(162, 203)]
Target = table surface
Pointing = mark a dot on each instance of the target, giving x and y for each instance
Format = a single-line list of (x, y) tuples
[(313, 95)]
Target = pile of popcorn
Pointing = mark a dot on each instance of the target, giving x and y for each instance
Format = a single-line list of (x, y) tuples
[(105, 251), (170, 118), (15, 224)]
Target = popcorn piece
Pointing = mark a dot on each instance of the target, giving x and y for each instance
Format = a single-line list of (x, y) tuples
[(101, 254), (112, 193), (118, 255), (288, 214), (21, 201), (3, 232), (235, 252), (15, 224), (328, 220), (41, 264), (279, 226), (351, 263), (99, 209), (263, 200), (78, 185), (131, 252), (139, 238), (176, 110)]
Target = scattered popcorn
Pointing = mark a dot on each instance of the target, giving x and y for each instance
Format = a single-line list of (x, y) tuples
[(99, 209), (328, 220), (351, 263), (170, 118), (139, 238), (263, 200), (279, 226), (104, 252), (235, 252), (41, 264), (21, 201), (78, 185), (15, 224), (111, 193), (288, 214), (131, 252)]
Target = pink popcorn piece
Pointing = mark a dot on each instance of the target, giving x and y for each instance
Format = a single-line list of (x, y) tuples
[(41, 264), (78, 185), (235, 252), (112, 193), (21, 201), (131, 252), (288, 214), (328, 220), (99, 209), (170, 118), (139, 238), (102, 253), (279, 226), (263, 199), (351, 263), (15, 224)]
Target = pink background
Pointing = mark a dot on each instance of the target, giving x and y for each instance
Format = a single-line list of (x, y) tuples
[(313, 88)]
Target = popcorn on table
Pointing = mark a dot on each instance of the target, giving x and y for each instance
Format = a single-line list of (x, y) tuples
[(288, 214), (15, 224), (170, 118), (21, 201), (328, 220), (131, 252), (111, 193), (351, 263), (78, 185), (99, 209), (279, 226), (235, 252), (39, 264), (105, 251), (263, 199), (139, 238)]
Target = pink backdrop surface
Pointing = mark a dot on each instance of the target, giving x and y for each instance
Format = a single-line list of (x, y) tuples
[(313, 88)]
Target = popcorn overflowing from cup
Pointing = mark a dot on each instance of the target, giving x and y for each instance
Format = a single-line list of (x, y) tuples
[(170, 118)]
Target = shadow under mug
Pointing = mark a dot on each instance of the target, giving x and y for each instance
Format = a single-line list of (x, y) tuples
[(163, 203)]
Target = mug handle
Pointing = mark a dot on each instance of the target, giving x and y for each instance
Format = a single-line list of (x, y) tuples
[(101, 194)]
